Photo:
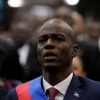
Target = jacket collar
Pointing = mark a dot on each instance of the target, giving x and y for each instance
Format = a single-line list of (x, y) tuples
[(74, 91)]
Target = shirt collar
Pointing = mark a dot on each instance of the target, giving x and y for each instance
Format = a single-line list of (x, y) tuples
[(61, 87)]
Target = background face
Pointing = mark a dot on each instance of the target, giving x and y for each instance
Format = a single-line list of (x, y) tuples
[(54, 48)]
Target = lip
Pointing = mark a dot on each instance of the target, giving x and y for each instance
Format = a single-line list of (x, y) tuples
[(50, 58), (50, 55)]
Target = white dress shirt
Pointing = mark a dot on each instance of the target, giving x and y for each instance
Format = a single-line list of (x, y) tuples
[(61, 87)]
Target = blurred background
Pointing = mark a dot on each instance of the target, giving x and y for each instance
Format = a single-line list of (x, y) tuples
[(10, 8), (19, 22)]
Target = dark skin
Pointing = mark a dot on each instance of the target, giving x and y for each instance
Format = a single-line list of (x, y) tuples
[(56, 50)]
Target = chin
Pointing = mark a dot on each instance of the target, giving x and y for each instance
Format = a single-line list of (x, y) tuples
[(50, 68)]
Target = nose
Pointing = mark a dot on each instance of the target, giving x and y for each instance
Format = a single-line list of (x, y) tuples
[(49, 44)]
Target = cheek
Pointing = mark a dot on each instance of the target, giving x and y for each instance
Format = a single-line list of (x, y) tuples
[(65, 50), (66, 54)]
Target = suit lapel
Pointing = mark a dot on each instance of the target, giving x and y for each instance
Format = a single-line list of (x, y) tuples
[(74, 91)]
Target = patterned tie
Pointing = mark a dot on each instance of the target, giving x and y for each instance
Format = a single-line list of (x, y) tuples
[(52, 93)]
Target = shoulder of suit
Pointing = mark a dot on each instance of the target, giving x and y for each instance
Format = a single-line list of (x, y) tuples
[(90, 83)]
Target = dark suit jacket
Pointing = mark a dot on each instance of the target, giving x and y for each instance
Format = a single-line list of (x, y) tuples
[(3, 92), (79, 89)]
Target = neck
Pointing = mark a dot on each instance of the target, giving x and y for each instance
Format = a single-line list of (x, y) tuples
[(56, 78)]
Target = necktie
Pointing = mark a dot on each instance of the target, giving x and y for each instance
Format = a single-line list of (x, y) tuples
[(52, 93)]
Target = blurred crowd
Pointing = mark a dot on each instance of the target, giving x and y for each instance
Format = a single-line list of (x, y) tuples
[(18, 53)]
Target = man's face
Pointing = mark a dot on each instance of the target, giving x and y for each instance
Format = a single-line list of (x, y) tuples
[(54, 48)]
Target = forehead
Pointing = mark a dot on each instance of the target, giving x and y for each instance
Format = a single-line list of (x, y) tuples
[(55, 28)]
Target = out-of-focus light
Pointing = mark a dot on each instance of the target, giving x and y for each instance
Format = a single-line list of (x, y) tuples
[(71, 2), (40, 10), (15, 3)]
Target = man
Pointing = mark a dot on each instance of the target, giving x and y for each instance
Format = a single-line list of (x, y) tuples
[(56, 49)]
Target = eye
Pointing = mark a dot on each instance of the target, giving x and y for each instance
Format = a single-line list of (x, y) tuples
[(42, 40), (60, 38)]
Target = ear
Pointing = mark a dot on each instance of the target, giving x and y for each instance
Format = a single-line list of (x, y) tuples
[(75, 50)]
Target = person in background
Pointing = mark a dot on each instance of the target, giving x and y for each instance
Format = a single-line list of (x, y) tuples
[(78, 25), (78, 66), (64, 13), (10, 69), (56, 48), (88, 44)]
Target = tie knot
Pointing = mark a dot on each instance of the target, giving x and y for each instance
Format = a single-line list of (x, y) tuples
[(52, 93)]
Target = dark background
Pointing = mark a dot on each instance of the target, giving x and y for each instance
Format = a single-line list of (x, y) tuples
[(85, 7)]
